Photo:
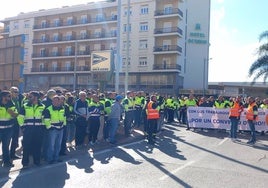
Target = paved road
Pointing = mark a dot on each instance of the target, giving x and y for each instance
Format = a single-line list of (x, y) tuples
[(180, 158)]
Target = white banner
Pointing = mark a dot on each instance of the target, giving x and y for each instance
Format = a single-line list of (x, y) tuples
[(206, 117)]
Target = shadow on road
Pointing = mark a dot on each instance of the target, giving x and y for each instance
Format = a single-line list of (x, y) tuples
[(48, 178)]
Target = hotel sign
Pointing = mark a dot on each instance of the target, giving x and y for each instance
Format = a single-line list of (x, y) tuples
[(197, 36)]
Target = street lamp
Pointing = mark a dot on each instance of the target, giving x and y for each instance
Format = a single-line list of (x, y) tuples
[(118, 49), (75, 62), (127, 55), (205, 67)]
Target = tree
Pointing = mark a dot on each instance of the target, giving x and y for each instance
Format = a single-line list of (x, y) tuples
[(259, 68)]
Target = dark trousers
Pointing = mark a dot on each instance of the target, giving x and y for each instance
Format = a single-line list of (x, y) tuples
[(32, 143), (152, 128), (15, 139), (170, 112), (5, 137), (138, 116), (80, 134), (94, 126), (63, 142), (128, 121), (252, 131), (106, 127)]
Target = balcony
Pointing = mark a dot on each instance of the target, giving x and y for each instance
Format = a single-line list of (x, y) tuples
[(60, 69), (169, 12), (167, 67), (168, 30), (4, 31), (168, 49), (74, 38), (75, 23)]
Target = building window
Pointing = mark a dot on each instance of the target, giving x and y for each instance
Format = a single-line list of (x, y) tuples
[(26, 38), (168, 9), (84, 19), (143, 44), (41, 67), (69, 36), (126, 10), (125, 45), (43, 38), (99, 18), (68, 50), (143, 61), (144, 26), (57, 22), (16, 25), (43, 24), (55, 51), (70, 21), (83, 34), (27, 24), (124, 61), (26, 53), (54, 66), (125, 28), (68, 65), (42, 52), (113, 32), (144, 9), (55, 37)]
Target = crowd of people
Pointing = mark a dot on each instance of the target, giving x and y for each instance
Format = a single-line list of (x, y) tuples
[(51, 121)]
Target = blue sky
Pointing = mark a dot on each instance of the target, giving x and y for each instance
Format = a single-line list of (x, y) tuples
[(235, 27)]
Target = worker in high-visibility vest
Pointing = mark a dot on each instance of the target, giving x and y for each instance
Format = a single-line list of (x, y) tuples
[(152, 110), (252, 117), (31, 121), (7, 114), (234, 116)]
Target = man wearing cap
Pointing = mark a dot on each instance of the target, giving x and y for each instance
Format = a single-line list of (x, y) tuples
[(128, 104), (7, 114), (114, 118), (55, 120), (31, 121), (18, 100)]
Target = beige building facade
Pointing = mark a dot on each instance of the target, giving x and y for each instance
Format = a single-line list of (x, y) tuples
[(59, 44)]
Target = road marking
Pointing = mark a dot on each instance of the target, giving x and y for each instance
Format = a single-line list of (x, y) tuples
[(225, 139), (176, 170)]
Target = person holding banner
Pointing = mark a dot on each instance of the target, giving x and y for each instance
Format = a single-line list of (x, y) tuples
[(252, 117), (234, 116)]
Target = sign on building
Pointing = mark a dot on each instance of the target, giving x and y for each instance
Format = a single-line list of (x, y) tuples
[(101, 61)]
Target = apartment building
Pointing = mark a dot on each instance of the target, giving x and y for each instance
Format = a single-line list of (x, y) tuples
[(11, 61), (151, 36)]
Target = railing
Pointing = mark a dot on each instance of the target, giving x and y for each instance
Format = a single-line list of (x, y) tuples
[(75, 22), (166, 67), (60, 69), (168, 30), (73, 38), (167, 48), (168, 12)]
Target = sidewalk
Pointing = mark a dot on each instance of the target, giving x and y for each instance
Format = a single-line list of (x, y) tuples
[(72, 152)]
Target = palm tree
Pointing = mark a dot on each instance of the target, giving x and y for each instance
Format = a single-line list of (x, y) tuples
[(260, 67)]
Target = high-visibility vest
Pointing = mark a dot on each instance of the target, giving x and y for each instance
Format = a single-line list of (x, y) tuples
[(6, 120), (32, 115), (250, 113), (57, 118), (152, 113), (235, 110)]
